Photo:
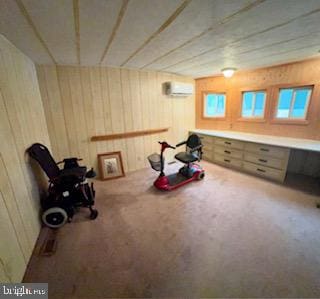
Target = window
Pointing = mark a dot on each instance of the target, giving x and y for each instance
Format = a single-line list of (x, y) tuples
[(214, 105), (293, 102), (253, 103)]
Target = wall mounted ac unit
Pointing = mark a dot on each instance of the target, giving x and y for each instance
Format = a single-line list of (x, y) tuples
[(179, 89)]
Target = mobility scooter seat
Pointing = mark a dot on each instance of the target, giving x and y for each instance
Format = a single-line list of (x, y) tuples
[(193, 150), (185, 157)]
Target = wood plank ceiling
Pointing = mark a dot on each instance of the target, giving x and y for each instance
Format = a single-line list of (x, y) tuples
[(187, 37)]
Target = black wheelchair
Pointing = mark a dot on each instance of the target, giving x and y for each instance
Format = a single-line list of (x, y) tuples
[(68, 190)]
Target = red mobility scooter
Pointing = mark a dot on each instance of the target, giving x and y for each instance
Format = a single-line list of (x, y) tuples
[(186, 174)]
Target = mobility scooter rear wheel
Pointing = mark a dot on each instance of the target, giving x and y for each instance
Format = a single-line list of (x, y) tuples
[(200, 176), (55, 217)]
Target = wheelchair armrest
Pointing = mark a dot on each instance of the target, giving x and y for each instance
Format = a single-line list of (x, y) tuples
[(91, 174)]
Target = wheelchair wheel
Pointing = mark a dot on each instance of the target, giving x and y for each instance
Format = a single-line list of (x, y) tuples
[(55, 217), (93, 214)]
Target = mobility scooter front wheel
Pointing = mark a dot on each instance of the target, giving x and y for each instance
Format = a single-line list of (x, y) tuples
[(55, 217)]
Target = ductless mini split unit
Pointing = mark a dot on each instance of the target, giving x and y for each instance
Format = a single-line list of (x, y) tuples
[(178, 89)]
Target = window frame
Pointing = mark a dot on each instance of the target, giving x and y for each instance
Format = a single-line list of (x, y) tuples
[(204, 95), (292, 120), (253, 118)]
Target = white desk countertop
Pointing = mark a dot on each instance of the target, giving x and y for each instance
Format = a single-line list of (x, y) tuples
[(295, 143)]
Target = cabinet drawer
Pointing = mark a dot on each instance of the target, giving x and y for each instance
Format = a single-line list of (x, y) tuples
[(228, 152), (227, 161), (229, 143), (207, 148), (265, 160), (207, 156), (206, 140), (267, 172), (268, 150)]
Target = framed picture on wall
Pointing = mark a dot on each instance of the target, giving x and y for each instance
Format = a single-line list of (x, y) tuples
[(110, 165)]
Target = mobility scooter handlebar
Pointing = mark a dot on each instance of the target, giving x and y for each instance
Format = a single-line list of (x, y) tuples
[(166, 145), (181, 143)]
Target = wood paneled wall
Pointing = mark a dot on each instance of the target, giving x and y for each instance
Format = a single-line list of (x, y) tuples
[(22, 122), (306, 72), (81, 102)]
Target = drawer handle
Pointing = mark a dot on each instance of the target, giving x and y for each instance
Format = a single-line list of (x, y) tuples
[(261, 170), (227, 142), (226, 160), (264, 149), (262, 160), (227, 152)]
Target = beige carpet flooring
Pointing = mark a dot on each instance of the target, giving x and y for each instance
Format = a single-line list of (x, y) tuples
[(230, 235)]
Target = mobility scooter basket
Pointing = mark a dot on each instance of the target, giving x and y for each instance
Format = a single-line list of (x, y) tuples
[(155, 161), (68, 187)]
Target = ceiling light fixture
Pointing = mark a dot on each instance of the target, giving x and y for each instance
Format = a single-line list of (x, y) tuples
[(228, 71)]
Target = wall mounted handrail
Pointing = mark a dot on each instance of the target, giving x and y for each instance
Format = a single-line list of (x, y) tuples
[(128, 134)]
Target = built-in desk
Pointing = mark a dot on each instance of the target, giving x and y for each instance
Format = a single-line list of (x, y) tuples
[(262, 155)]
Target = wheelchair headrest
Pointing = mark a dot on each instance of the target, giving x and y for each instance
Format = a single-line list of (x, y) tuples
[(193, 141), (41, 154)]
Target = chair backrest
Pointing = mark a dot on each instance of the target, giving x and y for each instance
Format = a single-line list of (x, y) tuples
[(193, 141), (41, 154)]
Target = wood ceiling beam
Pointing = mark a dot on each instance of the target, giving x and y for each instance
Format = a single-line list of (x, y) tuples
[(115, 28), (169, 21), (210, 29), (255, 68), (77, 28), (251, 50), (317, 44), (245, 37), (25, 13)]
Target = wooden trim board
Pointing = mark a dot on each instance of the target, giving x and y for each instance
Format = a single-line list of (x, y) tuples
[(128, 134)]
